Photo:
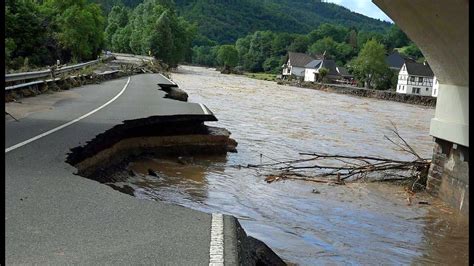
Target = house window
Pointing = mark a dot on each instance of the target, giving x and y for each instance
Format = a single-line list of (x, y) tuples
[(412, 79), (420, 79), (415, 90), (426, 89)]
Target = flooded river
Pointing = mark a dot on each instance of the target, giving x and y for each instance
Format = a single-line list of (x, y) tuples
[(357, 224)]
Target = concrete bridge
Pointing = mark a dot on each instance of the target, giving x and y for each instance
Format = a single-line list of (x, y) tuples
[(441, 31)]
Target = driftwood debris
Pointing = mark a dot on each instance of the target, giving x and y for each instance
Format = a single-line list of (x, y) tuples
[(338, 168)]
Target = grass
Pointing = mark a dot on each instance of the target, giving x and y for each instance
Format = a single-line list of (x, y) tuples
[(261, 76)]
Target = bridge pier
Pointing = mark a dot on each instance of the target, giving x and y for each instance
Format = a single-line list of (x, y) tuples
[(441, 31)]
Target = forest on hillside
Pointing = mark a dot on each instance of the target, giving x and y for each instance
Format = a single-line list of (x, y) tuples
[(224, 21), (255, 36)]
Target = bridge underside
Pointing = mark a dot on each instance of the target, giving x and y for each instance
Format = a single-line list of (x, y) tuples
[(441, 31)]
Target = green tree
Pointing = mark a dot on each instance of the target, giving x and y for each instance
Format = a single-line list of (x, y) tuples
[(121, 40), (323, 72), (228, 56), (352, 39), (336, 32), (370, 66), (299, 45), (161, 41), (326, 44), (24, 33), (260, 48), (205, 55), (411, 50), (152, 27), (272, 64), (281, 42), (364, 36), (339, 51), (81, 27), (117, 19), (395, 37)]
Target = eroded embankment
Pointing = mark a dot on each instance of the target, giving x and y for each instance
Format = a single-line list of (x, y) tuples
[(106, 156)]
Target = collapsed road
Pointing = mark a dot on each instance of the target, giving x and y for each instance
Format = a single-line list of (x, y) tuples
[(55, 216)]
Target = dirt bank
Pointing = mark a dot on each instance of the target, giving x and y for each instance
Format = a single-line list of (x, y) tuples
[(105, 158)]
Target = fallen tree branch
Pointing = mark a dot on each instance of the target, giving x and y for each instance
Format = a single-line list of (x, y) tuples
[(351, 167)]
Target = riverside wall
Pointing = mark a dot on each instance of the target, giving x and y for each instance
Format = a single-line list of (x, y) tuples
[(362, 92)]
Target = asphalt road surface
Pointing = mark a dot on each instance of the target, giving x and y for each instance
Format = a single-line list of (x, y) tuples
[(55, 217)]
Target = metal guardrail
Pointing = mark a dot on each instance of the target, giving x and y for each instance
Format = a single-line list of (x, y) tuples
[(27, 75), (75, 67), (22, 85), (47, 72)]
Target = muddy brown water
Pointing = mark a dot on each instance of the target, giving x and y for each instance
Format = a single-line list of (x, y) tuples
[(358, 224)]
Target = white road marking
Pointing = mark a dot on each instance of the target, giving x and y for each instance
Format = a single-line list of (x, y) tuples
[(216, 250), (204, 109), (68, 123), (172, 82)]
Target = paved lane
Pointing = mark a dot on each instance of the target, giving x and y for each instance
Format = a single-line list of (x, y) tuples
[(54, 216)]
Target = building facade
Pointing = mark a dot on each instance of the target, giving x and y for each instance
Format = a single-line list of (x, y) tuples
[(312, 70), (415, 78), (295, 66)]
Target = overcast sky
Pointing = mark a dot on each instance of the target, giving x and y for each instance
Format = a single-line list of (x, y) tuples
[(364, 7)]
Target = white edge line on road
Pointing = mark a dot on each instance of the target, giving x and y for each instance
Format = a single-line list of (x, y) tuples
[(204, 108), (216, 249), (68, 123)]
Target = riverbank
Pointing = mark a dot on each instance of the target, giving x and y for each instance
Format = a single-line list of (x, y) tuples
[(369, 93), (261, 76), (346, 89)]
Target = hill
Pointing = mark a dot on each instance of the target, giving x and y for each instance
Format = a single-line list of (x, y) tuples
[(224, 21)]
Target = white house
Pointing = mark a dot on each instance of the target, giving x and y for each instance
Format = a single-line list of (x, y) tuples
[(415, 78), (313, 67), (435, 87), (295, 66)]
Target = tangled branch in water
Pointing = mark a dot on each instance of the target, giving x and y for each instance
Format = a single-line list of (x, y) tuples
[(336, 168)]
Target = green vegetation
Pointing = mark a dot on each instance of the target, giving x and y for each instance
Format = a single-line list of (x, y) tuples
[(267, 51), (253, 36), (152, 28), (261, 76), (217, 19), (223, 22), (370, 66), (410, 50), (41, 32), (323, 72), (228, 56)]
